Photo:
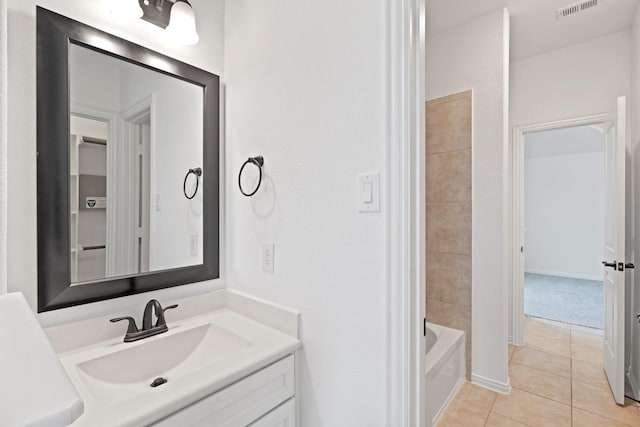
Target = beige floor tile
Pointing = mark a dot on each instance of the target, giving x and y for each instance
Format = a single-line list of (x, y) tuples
[(551, 363), (533, 410), (541, 383), (587, 419), (586, 339), (462, 414), (594, 331), (497, 420), (549, 345), (477, 396), (546, 329), (512, 349), (586, 353), (590, 373), (599, 401)]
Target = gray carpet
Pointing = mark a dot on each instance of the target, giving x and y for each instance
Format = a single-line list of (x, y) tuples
[(575, 301)]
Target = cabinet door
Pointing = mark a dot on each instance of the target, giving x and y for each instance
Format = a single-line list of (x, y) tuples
[(283, 416), (241, 403)]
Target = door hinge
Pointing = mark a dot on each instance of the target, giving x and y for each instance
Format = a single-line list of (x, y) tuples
[(424, 327)]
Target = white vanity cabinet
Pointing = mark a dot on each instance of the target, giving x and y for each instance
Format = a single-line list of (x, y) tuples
[(263, 399)]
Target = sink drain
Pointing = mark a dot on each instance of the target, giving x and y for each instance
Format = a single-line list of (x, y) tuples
[(158, 381)]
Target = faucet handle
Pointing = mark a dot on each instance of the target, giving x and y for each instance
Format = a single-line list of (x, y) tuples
[(170, 307), (161, 320), (132, 328)]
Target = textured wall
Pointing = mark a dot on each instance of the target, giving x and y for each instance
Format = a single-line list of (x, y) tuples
[(306, 88), (475, 56), (449, 214)]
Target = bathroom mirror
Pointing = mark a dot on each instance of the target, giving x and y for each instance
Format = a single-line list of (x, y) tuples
[(128, 167)]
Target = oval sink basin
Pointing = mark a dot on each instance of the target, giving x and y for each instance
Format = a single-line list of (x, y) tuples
[(131, 369)]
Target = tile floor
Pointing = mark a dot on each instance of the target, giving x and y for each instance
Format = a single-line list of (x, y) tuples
[(557, 380)]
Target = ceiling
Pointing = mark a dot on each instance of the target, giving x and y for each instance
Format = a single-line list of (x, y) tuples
[(564, 141), (534, 27)]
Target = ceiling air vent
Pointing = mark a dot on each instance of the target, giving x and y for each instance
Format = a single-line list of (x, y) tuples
[(576, 8)]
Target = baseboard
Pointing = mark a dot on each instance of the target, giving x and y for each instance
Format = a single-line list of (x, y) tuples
[(568, 275), (498, 387), (452, 396)]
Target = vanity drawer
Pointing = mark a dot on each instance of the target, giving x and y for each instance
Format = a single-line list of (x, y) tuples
[(283, 416), (241, 403)]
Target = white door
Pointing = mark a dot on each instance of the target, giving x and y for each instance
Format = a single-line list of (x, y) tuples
[(614, 250)]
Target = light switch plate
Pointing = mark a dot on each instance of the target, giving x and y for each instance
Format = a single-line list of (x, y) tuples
[(369, 192)]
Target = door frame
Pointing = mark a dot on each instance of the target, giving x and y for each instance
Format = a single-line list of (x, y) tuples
[(405, 189), (517, 217)]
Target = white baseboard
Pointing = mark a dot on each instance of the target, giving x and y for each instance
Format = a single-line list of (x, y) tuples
[(559, 274), (498, 387)]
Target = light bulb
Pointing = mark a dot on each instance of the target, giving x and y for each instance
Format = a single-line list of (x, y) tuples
[(182, 23), (127, 9)]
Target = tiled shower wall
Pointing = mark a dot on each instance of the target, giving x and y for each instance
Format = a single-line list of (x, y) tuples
[(449, 213)]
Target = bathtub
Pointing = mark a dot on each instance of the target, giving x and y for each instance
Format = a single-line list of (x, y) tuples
[(445, 369)]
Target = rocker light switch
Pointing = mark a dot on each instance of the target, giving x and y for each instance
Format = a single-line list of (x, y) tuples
[(369, 191)]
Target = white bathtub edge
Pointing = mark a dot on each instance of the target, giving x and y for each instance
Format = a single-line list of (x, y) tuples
[(448, 341), (498, 387), (452, 396)]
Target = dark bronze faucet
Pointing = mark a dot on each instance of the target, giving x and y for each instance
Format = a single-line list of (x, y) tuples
[(149, 329)]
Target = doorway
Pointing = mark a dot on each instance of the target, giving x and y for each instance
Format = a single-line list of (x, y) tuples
[(614, 127), (564, 224)]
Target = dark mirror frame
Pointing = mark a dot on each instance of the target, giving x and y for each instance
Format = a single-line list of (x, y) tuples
[(55, 34)]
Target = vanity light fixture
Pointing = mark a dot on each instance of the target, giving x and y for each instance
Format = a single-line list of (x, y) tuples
[(176, 16), (182, 23)]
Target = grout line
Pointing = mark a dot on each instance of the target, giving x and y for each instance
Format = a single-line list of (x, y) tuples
[(571, 370), (438, 153)]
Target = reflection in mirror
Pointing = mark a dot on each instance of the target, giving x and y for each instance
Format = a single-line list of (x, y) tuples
[(135, 133)]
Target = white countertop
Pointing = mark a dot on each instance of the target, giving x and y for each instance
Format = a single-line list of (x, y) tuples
[(34, 389)]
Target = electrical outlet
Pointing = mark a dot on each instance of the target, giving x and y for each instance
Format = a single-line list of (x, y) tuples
[(268, 257), (194, 245)]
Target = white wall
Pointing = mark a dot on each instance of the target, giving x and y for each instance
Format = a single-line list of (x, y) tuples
[(306, 88), (632, 341), (475, 56), (579, 80), (22, 249), (564, 206)]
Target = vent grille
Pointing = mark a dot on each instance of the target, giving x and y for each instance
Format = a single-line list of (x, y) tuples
[(576, 8)]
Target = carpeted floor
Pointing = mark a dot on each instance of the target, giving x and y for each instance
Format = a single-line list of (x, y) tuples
[(575, 301)]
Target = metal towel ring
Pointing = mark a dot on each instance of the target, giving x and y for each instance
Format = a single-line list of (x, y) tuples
[(259, 162), (198, 173)]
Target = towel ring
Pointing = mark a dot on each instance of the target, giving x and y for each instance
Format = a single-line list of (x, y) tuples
[(198, 173), (257, 161)]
